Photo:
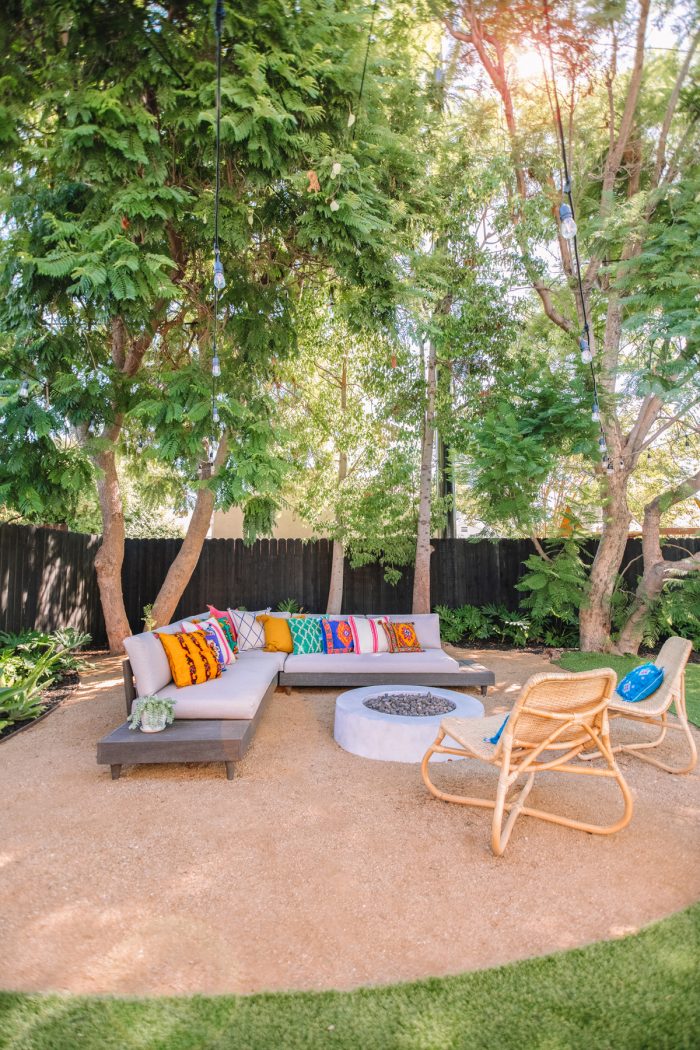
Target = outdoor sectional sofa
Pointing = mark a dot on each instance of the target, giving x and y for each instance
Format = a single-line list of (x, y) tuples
[(216, 721), (244, 684)]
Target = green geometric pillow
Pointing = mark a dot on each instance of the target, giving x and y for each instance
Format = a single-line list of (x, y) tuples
[(306, 635)]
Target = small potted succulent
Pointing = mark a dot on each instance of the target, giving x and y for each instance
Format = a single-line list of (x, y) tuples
[(151, 714)]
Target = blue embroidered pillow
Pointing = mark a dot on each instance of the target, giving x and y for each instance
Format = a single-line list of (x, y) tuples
[(337, 636), (640, 683)]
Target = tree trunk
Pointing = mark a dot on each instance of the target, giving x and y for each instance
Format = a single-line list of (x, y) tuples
[(648, 590), (335, 589), (656, 569), (110, 556), (180, 572), (595, 616), (421, 579)]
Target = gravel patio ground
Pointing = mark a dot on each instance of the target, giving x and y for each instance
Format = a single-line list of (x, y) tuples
[(313, 868)]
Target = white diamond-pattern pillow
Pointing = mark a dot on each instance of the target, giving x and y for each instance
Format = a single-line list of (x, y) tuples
[(251, 634)]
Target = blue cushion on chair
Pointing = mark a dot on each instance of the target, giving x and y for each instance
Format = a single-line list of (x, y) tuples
[(497, 735), (640, 683)]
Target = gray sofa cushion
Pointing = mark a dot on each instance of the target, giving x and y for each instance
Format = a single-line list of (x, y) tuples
[(368, 663), (237, 694), (260, 654)]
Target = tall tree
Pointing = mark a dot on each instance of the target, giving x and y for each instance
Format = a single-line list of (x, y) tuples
[(622, 181), (347, 404), (106, 263)]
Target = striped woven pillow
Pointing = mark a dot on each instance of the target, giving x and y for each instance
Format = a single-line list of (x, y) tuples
[(216, 636)]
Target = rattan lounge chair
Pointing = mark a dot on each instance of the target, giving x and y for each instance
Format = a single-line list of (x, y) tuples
[(673, 657), (555, 718)]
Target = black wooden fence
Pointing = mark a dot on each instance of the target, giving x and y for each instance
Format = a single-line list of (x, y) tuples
[(47, 576)]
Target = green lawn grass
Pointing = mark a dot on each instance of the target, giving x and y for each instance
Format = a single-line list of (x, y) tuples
[(638, 993), (623, 664)]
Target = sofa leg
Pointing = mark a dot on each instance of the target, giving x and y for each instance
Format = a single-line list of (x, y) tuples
[(288, 690), (229, 770), (484, 690), (115, 770)]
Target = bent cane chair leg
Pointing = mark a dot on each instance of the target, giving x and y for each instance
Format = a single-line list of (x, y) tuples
[(500, 835), (444, 796), (684, 727), (589, 756)]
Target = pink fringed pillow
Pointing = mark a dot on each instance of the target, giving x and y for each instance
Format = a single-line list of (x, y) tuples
[(223, 614), (367, 634)]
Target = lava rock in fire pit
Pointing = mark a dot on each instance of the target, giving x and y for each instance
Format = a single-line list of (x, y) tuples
[(417, 705)]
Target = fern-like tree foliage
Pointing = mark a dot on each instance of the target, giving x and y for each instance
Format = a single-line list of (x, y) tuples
[(107, 142)]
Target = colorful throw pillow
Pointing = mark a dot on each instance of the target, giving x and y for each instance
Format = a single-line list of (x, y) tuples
[(278, 637), (640, 683), (191, 659), (307, 636), (216, 636), (337, 636), (227, 627), (249, 633), (402, 637), (367, 634), (224, 614)]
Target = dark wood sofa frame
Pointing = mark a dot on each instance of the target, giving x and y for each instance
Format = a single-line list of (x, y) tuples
[(227, 740)]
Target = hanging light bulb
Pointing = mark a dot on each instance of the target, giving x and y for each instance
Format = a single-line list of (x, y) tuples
[(215, 413), (215, 367), (567, 224), (336, 170), (219, 279), (212, 452), (595, 414), (601, 445), (24, 389), (586, 355), (351, 119), (334, 206)]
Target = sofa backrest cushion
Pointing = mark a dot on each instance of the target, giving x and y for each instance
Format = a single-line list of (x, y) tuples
[(148, 662), (427, 627)]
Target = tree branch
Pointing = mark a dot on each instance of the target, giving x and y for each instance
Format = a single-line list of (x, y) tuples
[(671, 109)]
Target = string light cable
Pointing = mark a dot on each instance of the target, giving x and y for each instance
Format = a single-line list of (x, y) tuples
[(569, 231), (219, 278)]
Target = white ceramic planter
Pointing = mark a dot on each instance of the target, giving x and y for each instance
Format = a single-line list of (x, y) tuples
[(151, 723)]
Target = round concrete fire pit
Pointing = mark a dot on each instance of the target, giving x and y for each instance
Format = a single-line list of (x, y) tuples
[(378, 732)]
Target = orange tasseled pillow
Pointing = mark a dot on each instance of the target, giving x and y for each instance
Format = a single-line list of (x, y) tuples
[(191, 658)]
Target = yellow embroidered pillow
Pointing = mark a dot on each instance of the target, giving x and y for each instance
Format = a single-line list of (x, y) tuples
[(278, 637), (191, 659), (402, 637)]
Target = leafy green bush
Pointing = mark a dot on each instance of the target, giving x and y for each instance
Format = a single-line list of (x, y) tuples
[(290, 605), (676, 612), (468, 621), (29, 663)]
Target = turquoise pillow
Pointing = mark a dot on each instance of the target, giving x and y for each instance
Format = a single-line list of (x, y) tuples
[(306, 635), (640, 683)]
